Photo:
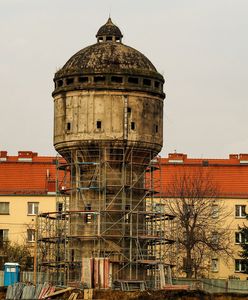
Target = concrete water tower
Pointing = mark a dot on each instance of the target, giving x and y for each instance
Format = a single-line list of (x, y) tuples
[(108, 125)]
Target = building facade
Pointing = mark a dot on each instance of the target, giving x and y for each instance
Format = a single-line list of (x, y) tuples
[(230, 178), (27, 187)]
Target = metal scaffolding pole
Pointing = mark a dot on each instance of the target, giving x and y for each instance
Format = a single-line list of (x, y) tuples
[(107, 208)]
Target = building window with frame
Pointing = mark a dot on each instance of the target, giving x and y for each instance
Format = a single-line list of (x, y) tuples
[(31, 235), (4, 236), (240, 238), (214, 265), (60, 206), (215, 211), (4, 208), (215, 238), (240, 265), (33, 208), (240, 211)]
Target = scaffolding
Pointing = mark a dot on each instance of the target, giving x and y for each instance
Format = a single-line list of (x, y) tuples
[(108, 207)]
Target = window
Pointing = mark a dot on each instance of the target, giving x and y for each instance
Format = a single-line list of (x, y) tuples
[(240, 238), (134, 80), (215, 211), (98, 124), (147, 82), (215, 238), (157, 84), (129, 109), (83, 79), (59, 206), (240, 211), (99, 78), (3, 236), (31, 235), (88, 217), (127, 215), (60, 83), (68, 126), (240, 265), (4, 208), (214, 265), (69, 81), (116, 79), (133, 125), (33, 208), (159, 207)]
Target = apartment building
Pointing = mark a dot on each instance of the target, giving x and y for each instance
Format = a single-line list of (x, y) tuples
[(27, 186), (230, 176)]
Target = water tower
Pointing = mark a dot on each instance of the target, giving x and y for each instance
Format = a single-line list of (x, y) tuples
[(108, 125)]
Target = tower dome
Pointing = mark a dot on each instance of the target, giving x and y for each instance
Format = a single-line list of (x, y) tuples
[(109, 64)]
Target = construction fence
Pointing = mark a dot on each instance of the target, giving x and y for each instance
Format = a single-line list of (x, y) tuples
[(215, 285), (207, 285)]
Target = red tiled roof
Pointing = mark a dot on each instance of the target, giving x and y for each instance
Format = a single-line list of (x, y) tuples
[(229, 175), (27, 173)]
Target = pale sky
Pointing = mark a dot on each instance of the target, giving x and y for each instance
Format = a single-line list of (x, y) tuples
[(199, 46)]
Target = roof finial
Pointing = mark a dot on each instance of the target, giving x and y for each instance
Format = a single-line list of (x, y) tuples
[(109, 22), (109, 32), (110, 11)]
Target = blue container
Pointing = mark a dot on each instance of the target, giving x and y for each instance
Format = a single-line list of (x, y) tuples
[(11, 273)]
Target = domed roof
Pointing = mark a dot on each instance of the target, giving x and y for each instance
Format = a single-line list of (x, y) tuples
[(108, 57), (109, 29)]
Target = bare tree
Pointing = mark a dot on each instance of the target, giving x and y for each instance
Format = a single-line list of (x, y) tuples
[(200, 219), (19, 253)]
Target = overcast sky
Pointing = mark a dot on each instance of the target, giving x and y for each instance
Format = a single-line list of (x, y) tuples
[(199, 46)]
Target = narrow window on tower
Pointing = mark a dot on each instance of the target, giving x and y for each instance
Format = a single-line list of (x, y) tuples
[(68, 126), (83, 79), (88, 217), (157, 84), (147, 82), (99, 124), (129, 109), (133, 80), (156, 128), (133, 125), (117, 79), (60, 83), (99, 78), (72, 255), (127, 215), (69, 81)]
